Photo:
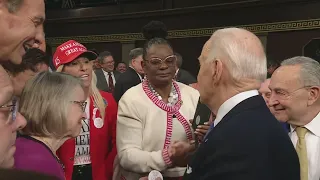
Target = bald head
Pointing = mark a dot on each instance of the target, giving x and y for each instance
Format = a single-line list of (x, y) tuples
[(240, 50)]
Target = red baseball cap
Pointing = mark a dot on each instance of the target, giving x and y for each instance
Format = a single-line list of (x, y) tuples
[(70, 51)]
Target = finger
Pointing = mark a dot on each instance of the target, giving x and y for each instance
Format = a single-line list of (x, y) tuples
[(200, 138), (202, 131), (191, 121), (203, 127)]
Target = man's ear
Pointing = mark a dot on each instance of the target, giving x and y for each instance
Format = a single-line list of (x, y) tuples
[(313, 95), (143, 64), (216, 69)]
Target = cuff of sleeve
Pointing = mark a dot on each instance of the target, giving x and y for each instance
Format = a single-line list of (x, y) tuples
[(166, 158)]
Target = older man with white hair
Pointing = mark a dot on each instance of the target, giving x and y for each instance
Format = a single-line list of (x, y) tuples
[(295, 99), (245, 141)]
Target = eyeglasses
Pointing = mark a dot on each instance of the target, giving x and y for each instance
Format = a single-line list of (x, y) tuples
[(169, 61), (282, 94), (13, 110), (82, 104)]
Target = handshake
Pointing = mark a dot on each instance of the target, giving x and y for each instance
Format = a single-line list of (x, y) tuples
[(180, 151)]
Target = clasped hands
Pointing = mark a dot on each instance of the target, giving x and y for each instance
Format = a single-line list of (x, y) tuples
[(180, 151)]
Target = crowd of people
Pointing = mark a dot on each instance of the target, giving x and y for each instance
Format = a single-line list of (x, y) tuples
[(85, 119)]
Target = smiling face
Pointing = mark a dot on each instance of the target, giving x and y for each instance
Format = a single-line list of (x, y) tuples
[(290, 99), (80, 68), (76, 113), (20, 29), (108, 64), (122, 67), (159, 73)]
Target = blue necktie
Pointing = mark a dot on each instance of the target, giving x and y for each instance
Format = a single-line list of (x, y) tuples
[(211, 128)]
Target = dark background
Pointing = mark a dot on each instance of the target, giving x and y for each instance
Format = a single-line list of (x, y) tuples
[(124, 17)]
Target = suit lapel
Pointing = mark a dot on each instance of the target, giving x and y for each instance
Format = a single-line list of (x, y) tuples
[(101, 80)]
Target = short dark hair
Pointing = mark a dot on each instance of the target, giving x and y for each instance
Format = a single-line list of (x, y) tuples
[(103, 55), (30, 60), (14, 5), (179, 59), (121, 63)]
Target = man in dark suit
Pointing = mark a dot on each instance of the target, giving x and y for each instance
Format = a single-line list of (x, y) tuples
[(245, 141), (182, 75), (106, 76), (133, 75)]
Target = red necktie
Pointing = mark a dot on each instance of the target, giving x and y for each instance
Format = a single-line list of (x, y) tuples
[(110, 81)]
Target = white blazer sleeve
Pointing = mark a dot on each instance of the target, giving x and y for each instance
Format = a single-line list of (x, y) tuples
[(129, 140)]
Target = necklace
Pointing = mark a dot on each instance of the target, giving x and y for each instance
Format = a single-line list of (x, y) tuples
[(173, 96)]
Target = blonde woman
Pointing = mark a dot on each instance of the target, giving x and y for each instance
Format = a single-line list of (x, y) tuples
[(91, 154), (54, 114)]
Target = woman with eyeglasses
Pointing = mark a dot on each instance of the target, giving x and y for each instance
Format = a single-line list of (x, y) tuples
[(90, 155), (154, 114), (54, 114)]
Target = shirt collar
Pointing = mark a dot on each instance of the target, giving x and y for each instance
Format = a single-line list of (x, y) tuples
[(312, 126), (232, 102)]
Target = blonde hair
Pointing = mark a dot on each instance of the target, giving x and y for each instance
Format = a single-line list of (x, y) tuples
[(45, 103), (94, 92)]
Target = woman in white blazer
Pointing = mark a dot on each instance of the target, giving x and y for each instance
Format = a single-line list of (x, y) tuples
[(153, 115)]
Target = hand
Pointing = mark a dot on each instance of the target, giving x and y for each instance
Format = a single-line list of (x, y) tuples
[(201, 130), (180, 152)]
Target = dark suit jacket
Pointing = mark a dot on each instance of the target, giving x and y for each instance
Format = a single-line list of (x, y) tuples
[(248, 144), (102, 81), (185, 77), (126, 81)]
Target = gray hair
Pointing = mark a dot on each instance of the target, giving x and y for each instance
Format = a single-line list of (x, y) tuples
[(103, 55), (134, 53), (244, 57), (310, 69), (14, 5), (45, 103)]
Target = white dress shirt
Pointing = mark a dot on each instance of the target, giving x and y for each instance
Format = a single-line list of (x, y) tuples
[(107, 77), (313, 146), (232, 102)]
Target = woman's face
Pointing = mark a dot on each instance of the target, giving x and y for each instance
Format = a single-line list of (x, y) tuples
[(81, 68), (76, 112), (159, 64)]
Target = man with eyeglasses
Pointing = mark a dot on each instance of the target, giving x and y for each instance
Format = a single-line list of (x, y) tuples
[(21, 28), (106, 75), (295, 92)]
